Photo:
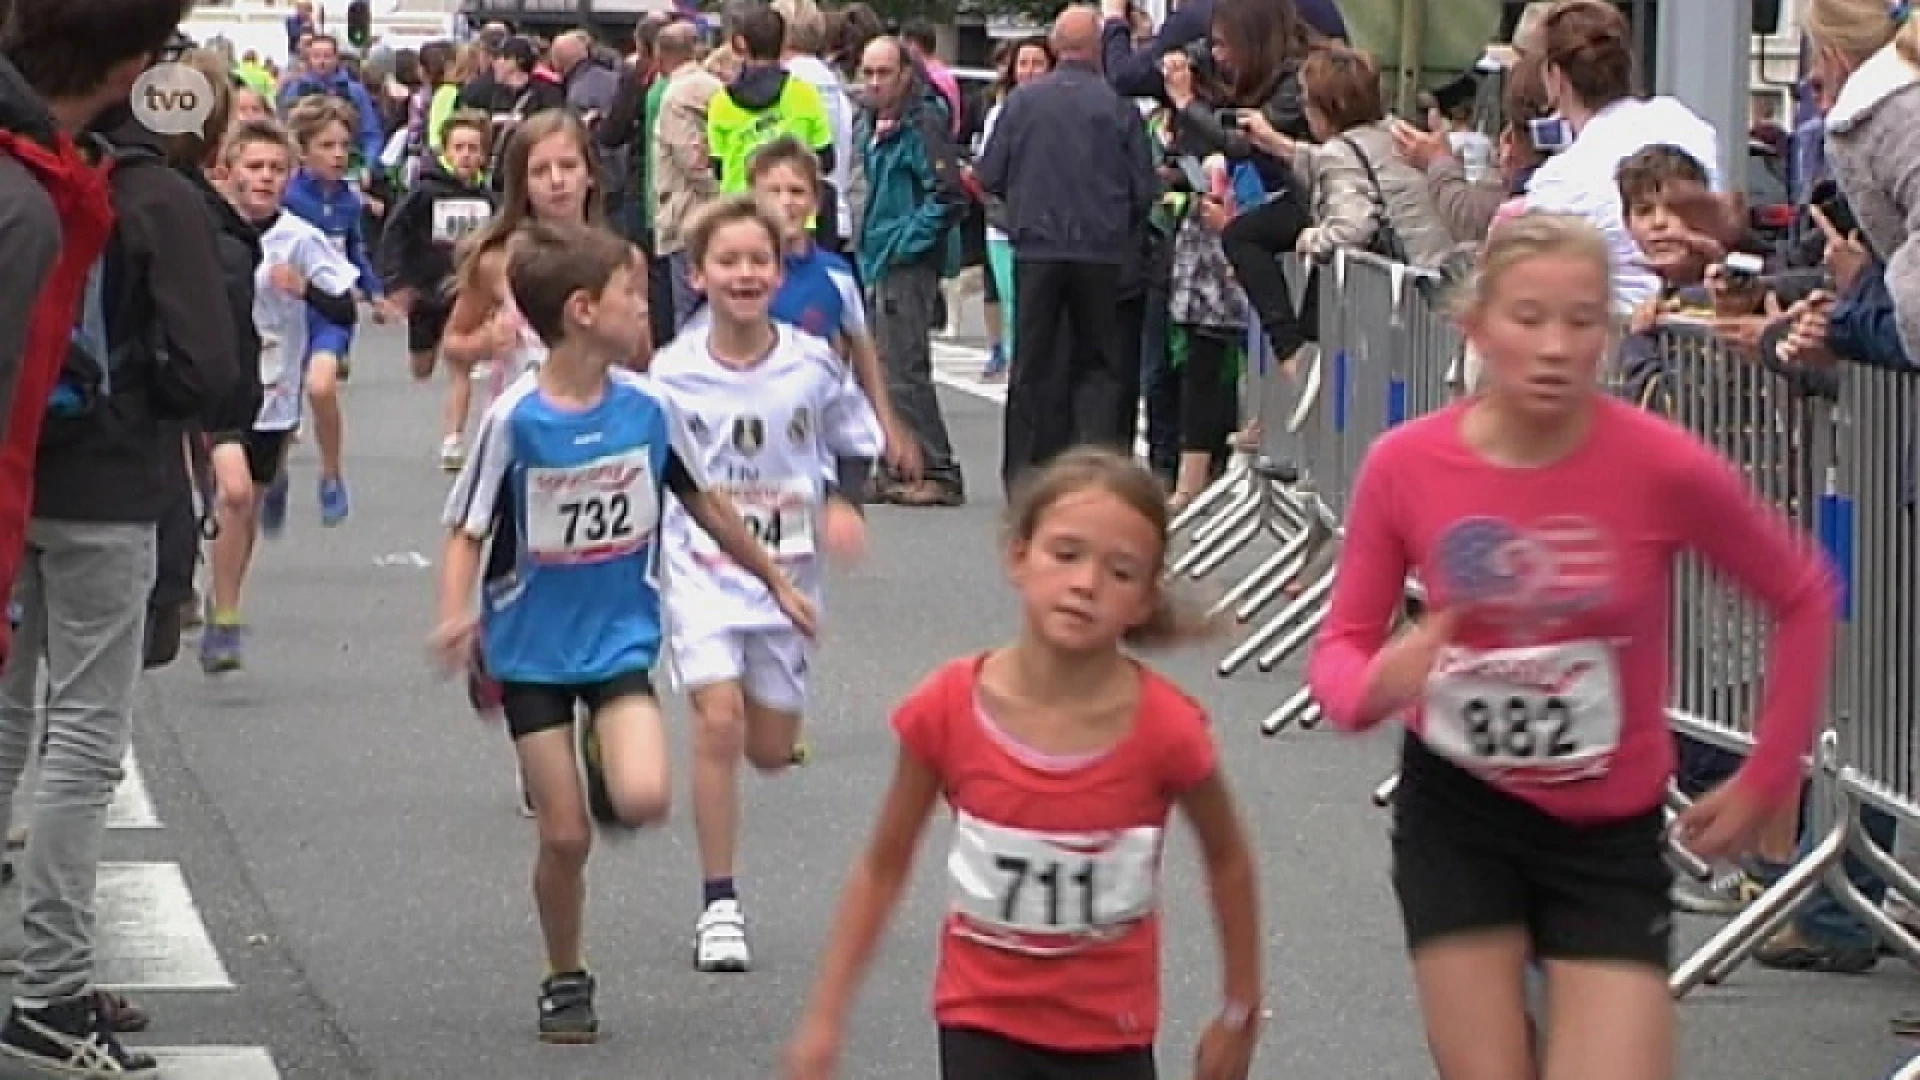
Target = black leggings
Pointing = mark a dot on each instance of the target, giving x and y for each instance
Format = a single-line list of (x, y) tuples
[(1253, 243), (1209, 394), (969, 1054)]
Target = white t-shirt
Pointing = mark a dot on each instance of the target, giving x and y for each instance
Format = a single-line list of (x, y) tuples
[(281, 318), (768, 436), (1580, 180)]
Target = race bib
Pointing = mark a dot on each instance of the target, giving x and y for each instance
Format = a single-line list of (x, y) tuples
[(1541, 707), (780, 516), (594, 512), (273, 362), (455, 219), (1031, 882)]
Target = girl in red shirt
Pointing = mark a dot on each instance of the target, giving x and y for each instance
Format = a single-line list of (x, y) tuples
[(1061, 759), (1544, 519)]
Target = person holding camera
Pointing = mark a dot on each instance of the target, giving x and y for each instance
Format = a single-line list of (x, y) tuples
[(1257, 50)]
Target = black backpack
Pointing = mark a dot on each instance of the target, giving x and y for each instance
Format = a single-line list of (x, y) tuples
[(116, 295)]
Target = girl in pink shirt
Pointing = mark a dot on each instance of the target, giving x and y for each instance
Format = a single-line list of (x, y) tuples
[(1544, 519)]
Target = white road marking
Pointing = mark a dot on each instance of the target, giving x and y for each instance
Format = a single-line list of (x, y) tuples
[(151, 936), (132, 808), (214, 1062)]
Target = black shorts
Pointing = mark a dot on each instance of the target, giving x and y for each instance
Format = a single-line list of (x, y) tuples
[(1468, 857), (971, 1054), (427, 323), (266, 452), (532, 708)]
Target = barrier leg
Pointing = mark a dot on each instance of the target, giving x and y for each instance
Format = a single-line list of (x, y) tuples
[(1237, 475), (1302, 632), (1745, 932), (1273, 575), (1303, 606), (1315, 542), (1290, 712), (1218, 553), (1220, 533), (1383, 795)]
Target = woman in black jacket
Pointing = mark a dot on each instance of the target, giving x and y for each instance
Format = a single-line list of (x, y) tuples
[(1257, 47)]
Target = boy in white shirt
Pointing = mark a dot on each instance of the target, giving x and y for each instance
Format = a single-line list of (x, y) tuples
[(778, 422), (298, 269)]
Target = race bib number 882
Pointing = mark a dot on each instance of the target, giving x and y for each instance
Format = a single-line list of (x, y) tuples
[(1541, 707)]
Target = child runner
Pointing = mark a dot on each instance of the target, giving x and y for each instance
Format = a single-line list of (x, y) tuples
[(1062, 759), (773, 416), (548, 177), (300, 273), (818, 291), (249, 106), (319, 193), (1527, 825), (450, 202), (568, 475)]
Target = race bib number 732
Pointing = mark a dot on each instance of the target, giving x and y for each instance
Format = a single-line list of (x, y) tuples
[(594, 512)]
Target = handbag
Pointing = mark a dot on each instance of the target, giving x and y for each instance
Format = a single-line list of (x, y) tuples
[(1386, 239)]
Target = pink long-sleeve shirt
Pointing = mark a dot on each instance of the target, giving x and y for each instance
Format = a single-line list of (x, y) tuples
[(1561, 577)]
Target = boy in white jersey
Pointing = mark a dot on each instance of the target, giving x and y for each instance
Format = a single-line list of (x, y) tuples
[(778, 422), (299, 270), (553, 524)]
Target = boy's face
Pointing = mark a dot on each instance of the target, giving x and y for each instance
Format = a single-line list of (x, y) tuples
[(614, 320), (466, 152), (257, 179), (784, 189), (740, 271), (1659, 230), (326, 155)]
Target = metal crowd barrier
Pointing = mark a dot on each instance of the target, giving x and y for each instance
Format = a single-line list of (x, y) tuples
[(1845, 465)]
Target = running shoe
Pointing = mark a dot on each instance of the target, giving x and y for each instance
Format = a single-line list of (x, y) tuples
[(1790, 950), (720, 939), (996, 365), (273, 508), (220, 648), (599, 799), (333, 501), (1728, 894), (71, 1038), (566, 1009), (453, 454)]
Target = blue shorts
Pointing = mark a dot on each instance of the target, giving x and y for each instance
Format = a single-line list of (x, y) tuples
[(327, 337)]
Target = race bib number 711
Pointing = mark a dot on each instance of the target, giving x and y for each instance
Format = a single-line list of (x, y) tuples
[(1034, 882)]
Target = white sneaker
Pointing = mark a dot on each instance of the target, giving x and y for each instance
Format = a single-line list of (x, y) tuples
[(720, 939), (453, 454)]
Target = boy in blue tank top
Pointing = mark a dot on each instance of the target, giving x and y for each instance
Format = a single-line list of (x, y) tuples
[(554, 522)]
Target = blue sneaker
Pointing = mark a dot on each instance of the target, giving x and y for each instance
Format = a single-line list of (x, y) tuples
[(333, 501), (220, 648), (996, 364), (273, 509)]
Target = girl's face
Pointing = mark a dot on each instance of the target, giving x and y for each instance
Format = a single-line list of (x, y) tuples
[(1089, 573), (739, 271), (249, 108), (1222, 52), (466, 152), (558, 178), (784, 188), (325, 155), (1029, 64), (1543, 328)]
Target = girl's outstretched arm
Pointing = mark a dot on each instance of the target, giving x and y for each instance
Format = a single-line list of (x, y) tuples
[(868, 903), (1226, 1050)]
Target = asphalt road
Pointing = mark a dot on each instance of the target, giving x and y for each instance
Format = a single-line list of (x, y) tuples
[(358, 874)]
